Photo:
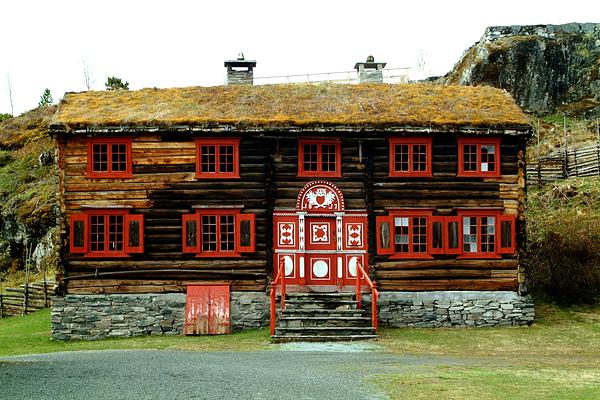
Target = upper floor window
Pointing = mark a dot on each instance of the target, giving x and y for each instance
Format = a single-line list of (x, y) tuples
[(106, 233), (218, 233), (218, 158), (470, 234), (479, 157), (410, 156), (319, 158), (109, 158)]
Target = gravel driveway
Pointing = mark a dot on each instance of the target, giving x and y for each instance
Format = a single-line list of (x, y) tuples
[(151, 374)]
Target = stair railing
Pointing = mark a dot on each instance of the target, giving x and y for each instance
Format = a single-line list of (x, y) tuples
[(360, 274), (280, 276)]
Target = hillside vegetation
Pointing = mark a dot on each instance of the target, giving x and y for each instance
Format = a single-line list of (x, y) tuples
[(28, 192)]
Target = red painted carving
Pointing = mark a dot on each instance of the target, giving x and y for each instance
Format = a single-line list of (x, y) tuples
[(320, 196)]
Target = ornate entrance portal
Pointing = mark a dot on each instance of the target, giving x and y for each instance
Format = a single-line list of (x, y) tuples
[(320, 242)]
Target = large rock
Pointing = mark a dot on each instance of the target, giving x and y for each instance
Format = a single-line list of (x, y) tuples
[(545, 67)]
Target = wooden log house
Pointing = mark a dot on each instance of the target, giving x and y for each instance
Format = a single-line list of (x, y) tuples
[(199, 196)]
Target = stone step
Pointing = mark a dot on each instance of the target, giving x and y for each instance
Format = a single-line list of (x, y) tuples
[(324, 304), (325, 331), (317, 338), (319, 312), (299, 322)]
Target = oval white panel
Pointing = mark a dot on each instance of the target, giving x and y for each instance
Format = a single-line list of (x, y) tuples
[(320, 269), (288, 264), (352, 266)]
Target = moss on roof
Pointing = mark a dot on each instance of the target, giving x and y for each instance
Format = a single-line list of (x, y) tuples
[(304, 105)]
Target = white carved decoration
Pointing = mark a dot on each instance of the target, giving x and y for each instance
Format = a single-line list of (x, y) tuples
[(287, 233), (354, 235), (340, 268), (301, 268), (320, 268), (319, 233), (352, 266), (288, 263), (320, 196)]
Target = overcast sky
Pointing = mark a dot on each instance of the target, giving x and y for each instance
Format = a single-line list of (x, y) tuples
[(184, 43)]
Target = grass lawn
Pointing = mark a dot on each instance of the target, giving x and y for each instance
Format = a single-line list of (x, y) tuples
[(556, 358)]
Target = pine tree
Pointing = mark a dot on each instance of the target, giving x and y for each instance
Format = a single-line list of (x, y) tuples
[(45, 99), (114, 83)]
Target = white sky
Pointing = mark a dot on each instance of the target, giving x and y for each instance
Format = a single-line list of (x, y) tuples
[(184, 43)]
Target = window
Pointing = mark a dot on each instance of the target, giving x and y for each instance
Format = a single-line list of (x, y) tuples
[(109, 158), (478, 157), (319, 158), (218, 233), (106, 233), (410, 157), (470, 234), (217, 158)]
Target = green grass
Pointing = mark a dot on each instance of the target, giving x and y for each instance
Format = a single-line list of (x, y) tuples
[(31, 335), (558, 357)]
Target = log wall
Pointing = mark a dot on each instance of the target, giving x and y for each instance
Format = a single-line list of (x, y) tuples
[(164, 187)]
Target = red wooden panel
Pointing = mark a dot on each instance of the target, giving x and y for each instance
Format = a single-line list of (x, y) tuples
[(207, 310), (78, 233), (134, 233), (385, 235)]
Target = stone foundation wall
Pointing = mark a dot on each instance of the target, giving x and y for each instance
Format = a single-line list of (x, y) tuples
[(91, 317), (454, 308)]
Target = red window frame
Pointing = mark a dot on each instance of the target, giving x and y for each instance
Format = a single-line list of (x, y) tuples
[(302, 172), (410, 214), (238, 246), (410, 142), (478, 143), (86, 217), (110, 172), (450, 225), (217, 143)]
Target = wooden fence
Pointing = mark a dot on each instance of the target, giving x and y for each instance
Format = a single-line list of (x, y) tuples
[(577, 161), (26, 298)]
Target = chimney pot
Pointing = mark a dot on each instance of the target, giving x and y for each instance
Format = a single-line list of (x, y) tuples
[(370, 71), (240, 71)]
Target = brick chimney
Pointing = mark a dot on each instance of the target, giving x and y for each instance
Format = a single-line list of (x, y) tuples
[(240, 71), (370, 71)]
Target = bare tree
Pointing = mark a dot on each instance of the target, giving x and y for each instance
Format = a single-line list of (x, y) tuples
[(87, 75), (9, 90)]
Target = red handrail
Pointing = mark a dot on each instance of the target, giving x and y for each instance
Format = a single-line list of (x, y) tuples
[(374, 293), (273, 294)]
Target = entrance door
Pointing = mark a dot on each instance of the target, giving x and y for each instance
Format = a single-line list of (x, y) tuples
[(207, 310), (321, 244)]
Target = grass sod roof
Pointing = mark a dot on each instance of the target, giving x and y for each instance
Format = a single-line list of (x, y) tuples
[(294, 105)]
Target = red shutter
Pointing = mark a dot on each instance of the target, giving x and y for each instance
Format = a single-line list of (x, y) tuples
[(438, 235), (245, 237), (453, 237), (385, 235), (134, 233), (190, 232), (506, 235), (78, 233)]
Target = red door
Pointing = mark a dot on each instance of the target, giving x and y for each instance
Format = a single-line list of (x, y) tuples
[(321, 243), (207, 310)]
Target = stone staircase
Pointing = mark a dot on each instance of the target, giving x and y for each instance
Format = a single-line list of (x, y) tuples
[(322, 317)]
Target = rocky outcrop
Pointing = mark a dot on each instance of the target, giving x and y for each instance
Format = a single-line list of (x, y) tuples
[(545, 67)]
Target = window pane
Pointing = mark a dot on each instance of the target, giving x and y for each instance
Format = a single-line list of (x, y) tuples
[(208, 160), (506, 234), (470, 234), (328, 157), (310, 157), (488, 158), (100, 157), (226, 159), (488, 234), (119, 157), (453, 235), (97, 233), (401, 158), (227, 238), (115, 233), (401, 234), (419, 162), (470, 157), (419, 235), (438, 233), (209, 233)]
